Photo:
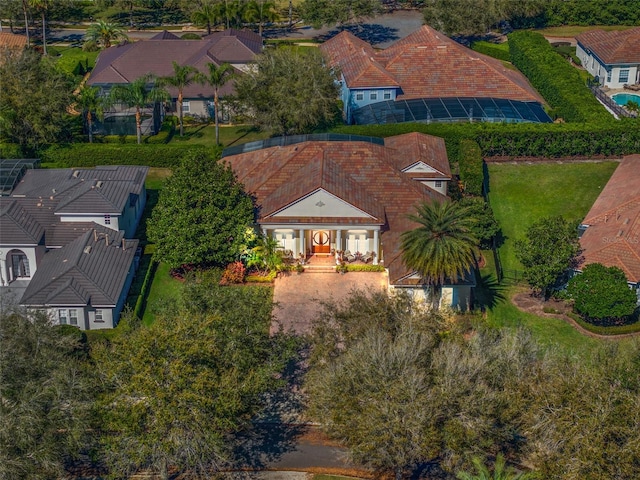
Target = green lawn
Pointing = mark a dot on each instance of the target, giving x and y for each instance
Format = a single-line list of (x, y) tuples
[(229, 136), (521, 194), (74, 60), (163, 288)]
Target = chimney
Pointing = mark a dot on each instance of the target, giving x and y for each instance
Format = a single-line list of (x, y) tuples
[(123, 244), (95, 235), (106, 239)]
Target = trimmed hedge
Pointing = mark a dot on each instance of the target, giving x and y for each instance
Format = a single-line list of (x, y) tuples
[(365, 268), (492, 50), (141, 301), (556, 80), (617, 330), (90, 155), (470, 165), (270, 277)]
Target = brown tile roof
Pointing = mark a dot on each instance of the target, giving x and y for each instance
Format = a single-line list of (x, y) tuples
[(13, 41), (427, 64), (415, 147), (613, 235), (366, 175), (613, 47), (124, 63)]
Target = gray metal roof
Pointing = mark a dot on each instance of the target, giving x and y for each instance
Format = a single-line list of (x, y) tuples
[(18, 226), (91, 270)]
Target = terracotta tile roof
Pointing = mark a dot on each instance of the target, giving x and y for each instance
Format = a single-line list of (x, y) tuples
[(124, 63), (366, 175), (613, 235), (427, 64), (13, 41), (613, 47), (415, 147)]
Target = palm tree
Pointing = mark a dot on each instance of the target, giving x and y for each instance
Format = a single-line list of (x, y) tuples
[(139, 95), (260, 11), (90, 100), (42, 6), (25, 11), (443, 246), (499, 472), (104, 33), (217, 76), (183, 76), (208, 15)]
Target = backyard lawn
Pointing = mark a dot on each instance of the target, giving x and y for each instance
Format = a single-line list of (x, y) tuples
[(229, 136), (522, 194)]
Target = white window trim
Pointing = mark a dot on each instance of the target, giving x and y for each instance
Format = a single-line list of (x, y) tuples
[(74, 316), (626, 72), (373, 95), (63, 319), (359, 96), (438, 183), (386, 95), (186, 106), (99, 315)]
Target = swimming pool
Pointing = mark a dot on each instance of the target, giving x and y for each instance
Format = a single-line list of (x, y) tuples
[(623, 98)]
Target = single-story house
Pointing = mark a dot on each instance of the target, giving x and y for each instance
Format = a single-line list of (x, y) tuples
[(126, 62), (49, 216), (610, 233), (613, 58), (318, 195), (427, 76)]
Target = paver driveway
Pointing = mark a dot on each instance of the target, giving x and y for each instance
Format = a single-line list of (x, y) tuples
[(297, 297)]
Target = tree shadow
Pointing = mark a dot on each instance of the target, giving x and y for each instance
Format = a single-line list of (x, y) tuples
[(372, 33), (277, 429), (488, 292)]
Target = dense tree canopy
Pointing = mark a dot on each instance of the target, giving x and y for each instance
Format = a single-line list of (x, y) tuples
[(485, 225), (548, 250), (602, 293), (331, 12), (290, 91), (202, 214), (44, 398), (175, 391), (33, 100)]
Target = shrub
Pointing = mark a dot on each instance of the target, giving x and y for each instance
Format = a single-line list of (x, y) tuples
[(10, 150), (190, 36), (255, 278), (471, 167), (233, 274), (363, 268), (602, 330)]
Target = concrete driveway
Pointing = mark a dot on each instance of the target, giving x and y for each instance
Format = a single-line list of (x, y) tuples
[(297, 297)]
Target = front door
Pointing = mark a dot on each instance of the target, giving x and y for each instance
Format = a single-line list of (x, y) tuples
[(320, 241)]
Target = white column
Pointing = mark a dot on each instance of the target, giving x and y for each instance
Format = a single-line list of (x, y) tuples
[(376, 246), (339, 240), (264, 232), (303, 251)]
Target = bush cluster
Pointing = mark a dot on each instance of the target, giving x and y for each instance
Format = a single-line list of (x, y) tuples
[(556, 80), (363, 268), (470, 164), (233, 274)]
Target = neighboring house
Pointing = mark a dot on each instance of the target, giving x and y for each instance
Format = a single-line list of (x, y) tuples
[(426, 76), (129, 61), (319, 194), (610, 233), (613, 58), (10, 42), (49, 215)]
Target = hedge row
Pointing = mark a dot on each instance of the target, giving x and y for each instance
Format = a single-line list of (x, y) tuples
[(556, 80), (141, 301), (492, 50), (90, 155), (470, 165), (523, 140), (613, 331), (365, 268)]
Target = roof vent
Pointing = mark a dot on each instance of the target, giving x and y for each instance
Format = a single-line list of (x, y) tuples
[(87, 249), (53, 190), (99, 184), (75, 173), (626, 221), (620, 233)]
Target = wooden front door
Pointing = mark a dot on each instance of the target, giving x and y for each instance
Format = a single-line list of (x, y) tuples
[(320, 241)]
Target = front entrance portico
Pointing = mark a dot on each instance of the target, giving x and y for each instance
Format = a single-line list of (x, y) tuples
[(306, 240)]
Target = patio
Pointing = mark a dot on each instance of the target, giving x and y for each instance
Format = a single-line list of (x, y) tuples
[(298, 297)]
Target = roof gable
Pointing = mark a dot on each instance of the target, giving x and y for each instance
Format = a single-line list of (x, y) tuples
[(18, 226), (420, 167), (321, 203)]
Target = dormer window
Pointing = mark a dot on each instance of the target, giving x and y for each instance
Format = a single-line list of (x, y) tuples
[(107, 219)]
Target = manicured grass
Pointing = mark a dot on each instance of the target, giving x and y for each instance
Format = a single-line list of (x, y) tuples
[(573, 30), (156, 177), (522, 194), (504, 46), (71, 57), (206, 135), (163, 288)]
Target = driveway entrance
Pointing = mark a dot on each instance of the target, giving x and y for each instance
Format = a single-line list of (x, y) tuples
[(298, 297)]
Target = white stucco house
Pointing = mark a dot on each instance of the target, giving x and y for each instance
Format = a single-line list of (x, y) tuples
[(322, 194), (611, 57), (65, 241)]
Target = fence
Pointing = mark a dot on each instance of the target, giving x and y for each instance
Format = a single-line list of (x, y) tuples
[(608, 101)]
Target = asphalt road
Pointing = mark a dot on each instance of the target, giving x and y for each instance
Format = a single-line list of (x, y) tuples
[(381, 31)]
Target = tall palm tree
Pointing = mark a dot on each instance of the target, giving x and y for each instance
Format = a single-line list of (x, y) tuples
[(207, 15), (500, 472), (183, 76), (42, 6), (25, 11), (217, 76), (90, 100), (443, 246), (104, 33), (139, 94), (260, 11)]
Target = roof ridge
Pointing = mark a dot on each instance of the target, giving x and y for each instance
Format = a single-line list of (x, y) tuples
[(621, 207)]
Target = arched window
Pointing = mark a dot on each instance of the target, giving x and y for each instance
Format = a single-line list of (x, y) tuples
[(19, 265)]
